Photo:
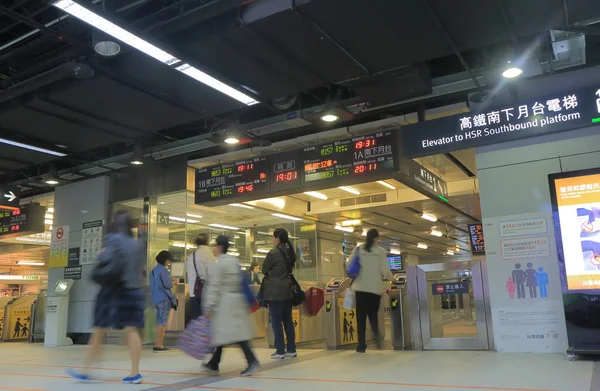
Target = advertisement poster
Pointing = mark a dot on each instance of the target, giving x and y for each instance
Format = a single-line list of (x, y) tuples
[(578, 203), (59, 247), (525, 295), (91, 242)]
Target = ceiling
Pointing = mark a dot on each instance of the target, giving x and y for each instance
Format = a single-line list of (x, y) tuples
[(294, 56)]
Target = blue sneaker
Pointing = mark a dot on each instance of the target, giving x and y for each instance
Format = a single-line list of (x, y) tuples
[(77, 375), (137, 379)]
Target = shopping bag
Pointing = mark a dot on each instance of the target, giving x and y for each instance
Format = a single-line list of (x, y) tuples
[(195, 340), (354, 266), (247, 290), (349, 299)]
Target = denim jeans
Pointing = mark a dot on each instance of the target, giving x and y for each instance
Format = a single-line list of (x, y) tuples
[(281, 318)]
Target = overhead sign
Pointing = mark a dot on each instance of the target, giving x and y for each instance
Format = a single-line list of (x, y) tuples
[(26, 220), (422, 180), (476, 239), (10, 197), (450, 288), (551, 114)]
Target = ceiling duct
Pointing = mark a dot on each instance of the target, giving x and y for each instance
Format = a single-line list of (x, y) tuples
[(568, 49), (64, 71)]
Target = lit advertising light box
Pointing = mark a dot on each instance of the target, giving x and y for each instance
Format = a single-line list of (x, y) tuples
[(576, 211)]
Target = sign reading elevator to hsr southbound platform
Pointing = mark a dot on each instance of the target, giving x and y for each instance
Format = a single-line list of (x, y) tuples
[(552, 114)]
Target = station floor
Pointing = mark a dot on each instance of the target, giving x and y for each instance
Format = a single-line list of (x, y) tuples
[(31, 367)]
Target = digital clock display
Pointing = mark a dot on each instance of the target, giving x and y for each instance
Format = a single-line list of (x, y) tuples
[(285, 172), (225, 181), (360, 158), (26, 220)]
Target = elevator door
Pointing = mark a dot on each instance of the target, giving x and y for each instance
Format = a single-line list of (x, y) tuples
[(450, 311)]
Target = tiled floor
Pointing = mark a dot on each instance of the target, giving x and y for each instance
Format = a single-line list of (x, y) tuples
[(28, 367)]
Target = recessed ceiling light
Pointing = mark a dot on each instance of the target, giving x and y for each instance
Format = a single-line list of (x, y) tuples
[(395, 251), (386, 184), (231, 140), (316, 194), (429, 217), (137, 162), (287, 217), (51, 182), (30, 263), (193, 215), (241, 206), (512, 72), (450, 252), (350, 189), (329, 117), (422, 246), (437, 233), (223, 227), (351, 223), (345, 229)]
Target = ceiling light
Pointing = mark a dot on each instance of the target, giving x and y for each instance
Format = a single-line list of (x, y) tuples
[(329, 117), (511, 72), (350, 189), (32, 148), (242, 206), (153, 51), (259, 256), (231, 140), (30, 263), (437, 233), (223, 227), (263, 250), (316, 194), (422, 246), (351, 223), (386, 184), (105, 46), (195, 216), (364, 232), (180, 219), (450, 252), (395, 251), (345, 229), (51, 210), (429, 217), (51, 182), (49, 216), (281, 215), (137, 162), (48, 222)]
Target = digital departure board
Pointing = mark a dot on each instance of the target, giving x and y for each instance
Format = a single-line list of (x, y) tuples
[(232, 180), (285, 171), (353, 160), (476, 238), (27, 220)]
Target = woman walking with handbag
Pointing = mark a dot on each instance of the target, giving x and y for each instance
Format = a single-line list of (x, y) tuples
[(120, 303), (277, 292), (199, 265), (367, 286)]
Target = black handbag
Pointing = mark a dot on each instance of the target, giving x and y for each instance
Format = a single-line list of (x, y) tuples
[(108, 272), (298, 296)]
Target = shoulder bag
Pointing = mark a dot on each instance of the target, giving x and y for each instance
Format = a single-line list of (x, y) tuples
[(354, 266), (172, 299), (199, 283), (298, 296)]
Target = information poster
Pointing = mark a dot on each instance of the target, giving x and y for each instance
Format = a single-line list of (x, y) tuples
[(578, 204), (525, 295), (59, 247), (348, 324), (91, 242)]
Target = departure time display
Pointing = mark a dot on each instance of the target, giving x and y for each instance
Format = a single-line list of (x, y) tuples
[(232, 180), (285, 172), (352, 158), (476, 238), (28, 219)]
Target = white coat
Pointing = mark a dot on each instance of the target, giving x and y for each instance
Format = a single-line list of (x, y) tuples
[(230, 321)]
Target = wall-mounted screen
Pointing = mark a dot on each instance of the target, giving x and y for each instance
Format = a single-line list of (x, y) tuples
[(476, 239), (576, 206), (395, 263)]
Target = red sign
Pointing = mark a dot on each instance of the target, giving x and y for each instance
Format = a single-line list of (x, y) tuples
[(440, 289), (60, 233)]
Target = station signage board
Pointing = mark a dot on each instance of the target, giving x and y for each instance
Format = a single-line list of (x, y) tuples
[(451, 288), (10, 197), (550, 114), (422, 180), (26, 220), (476, 239), (345, 162)]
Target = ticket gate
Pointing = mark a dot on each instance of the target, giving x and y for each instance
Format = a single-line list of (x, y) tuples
[(398, 312)]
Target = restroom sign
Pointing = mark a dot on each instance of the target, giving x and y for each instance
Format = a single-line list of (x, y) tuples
[(450, 288)]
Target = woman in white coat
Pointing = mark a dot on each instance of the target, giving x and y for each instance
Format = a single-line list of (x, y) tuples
[(226, 307)]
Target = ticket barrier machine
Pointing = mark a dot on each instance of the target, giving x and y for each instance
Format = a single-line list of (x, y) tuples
[(398, 311)]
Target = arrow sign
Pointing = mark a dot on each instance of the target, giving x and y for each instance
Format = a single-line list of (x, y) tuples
[(352, 314), (598, 93), (10, 197)]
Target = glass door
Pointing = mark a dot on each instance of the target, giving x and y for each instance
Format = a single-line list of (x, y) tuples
[(452, 309)]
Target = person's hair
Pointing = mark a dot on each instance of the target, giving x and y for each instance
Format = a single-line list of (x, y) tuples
[(372, 234), (253, 265), (223, 241), (284, 238), (163, 257), (122, 223), (202, 240)]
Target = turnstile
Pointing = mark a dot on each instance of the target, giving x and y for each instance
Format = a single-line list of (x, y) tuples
[(400, 336)]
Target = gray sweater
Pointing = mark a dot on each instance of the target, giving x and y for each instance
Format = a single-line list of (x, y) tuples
[(122, 248), (373, 265)]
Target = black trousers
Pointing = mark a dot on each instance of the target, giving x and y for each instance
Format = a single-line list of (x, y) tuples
[(367, 306), (218, 353)]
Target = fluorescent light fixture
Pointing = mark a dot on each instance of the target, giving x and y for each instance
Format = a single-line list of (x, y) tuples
[(329, 117), (364, 232), (450, 252), (395, 251), (210, 81), (437, 233), (345, 229), (137, 162), (231, 140), (242, 206), (32, 148), (263, 250), (48, 222), (194, 216), (316, 194), (429, 217), (51, 210), (183, 245), (223, 227), (233, 253), (153, 51), (281, 215), (350, 189), (30, 263), (386, 184), (51, 182), (49, 216), (259, 256), (422, 246), (11, 277), (182, 220), (512, 72), (351, 223)]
